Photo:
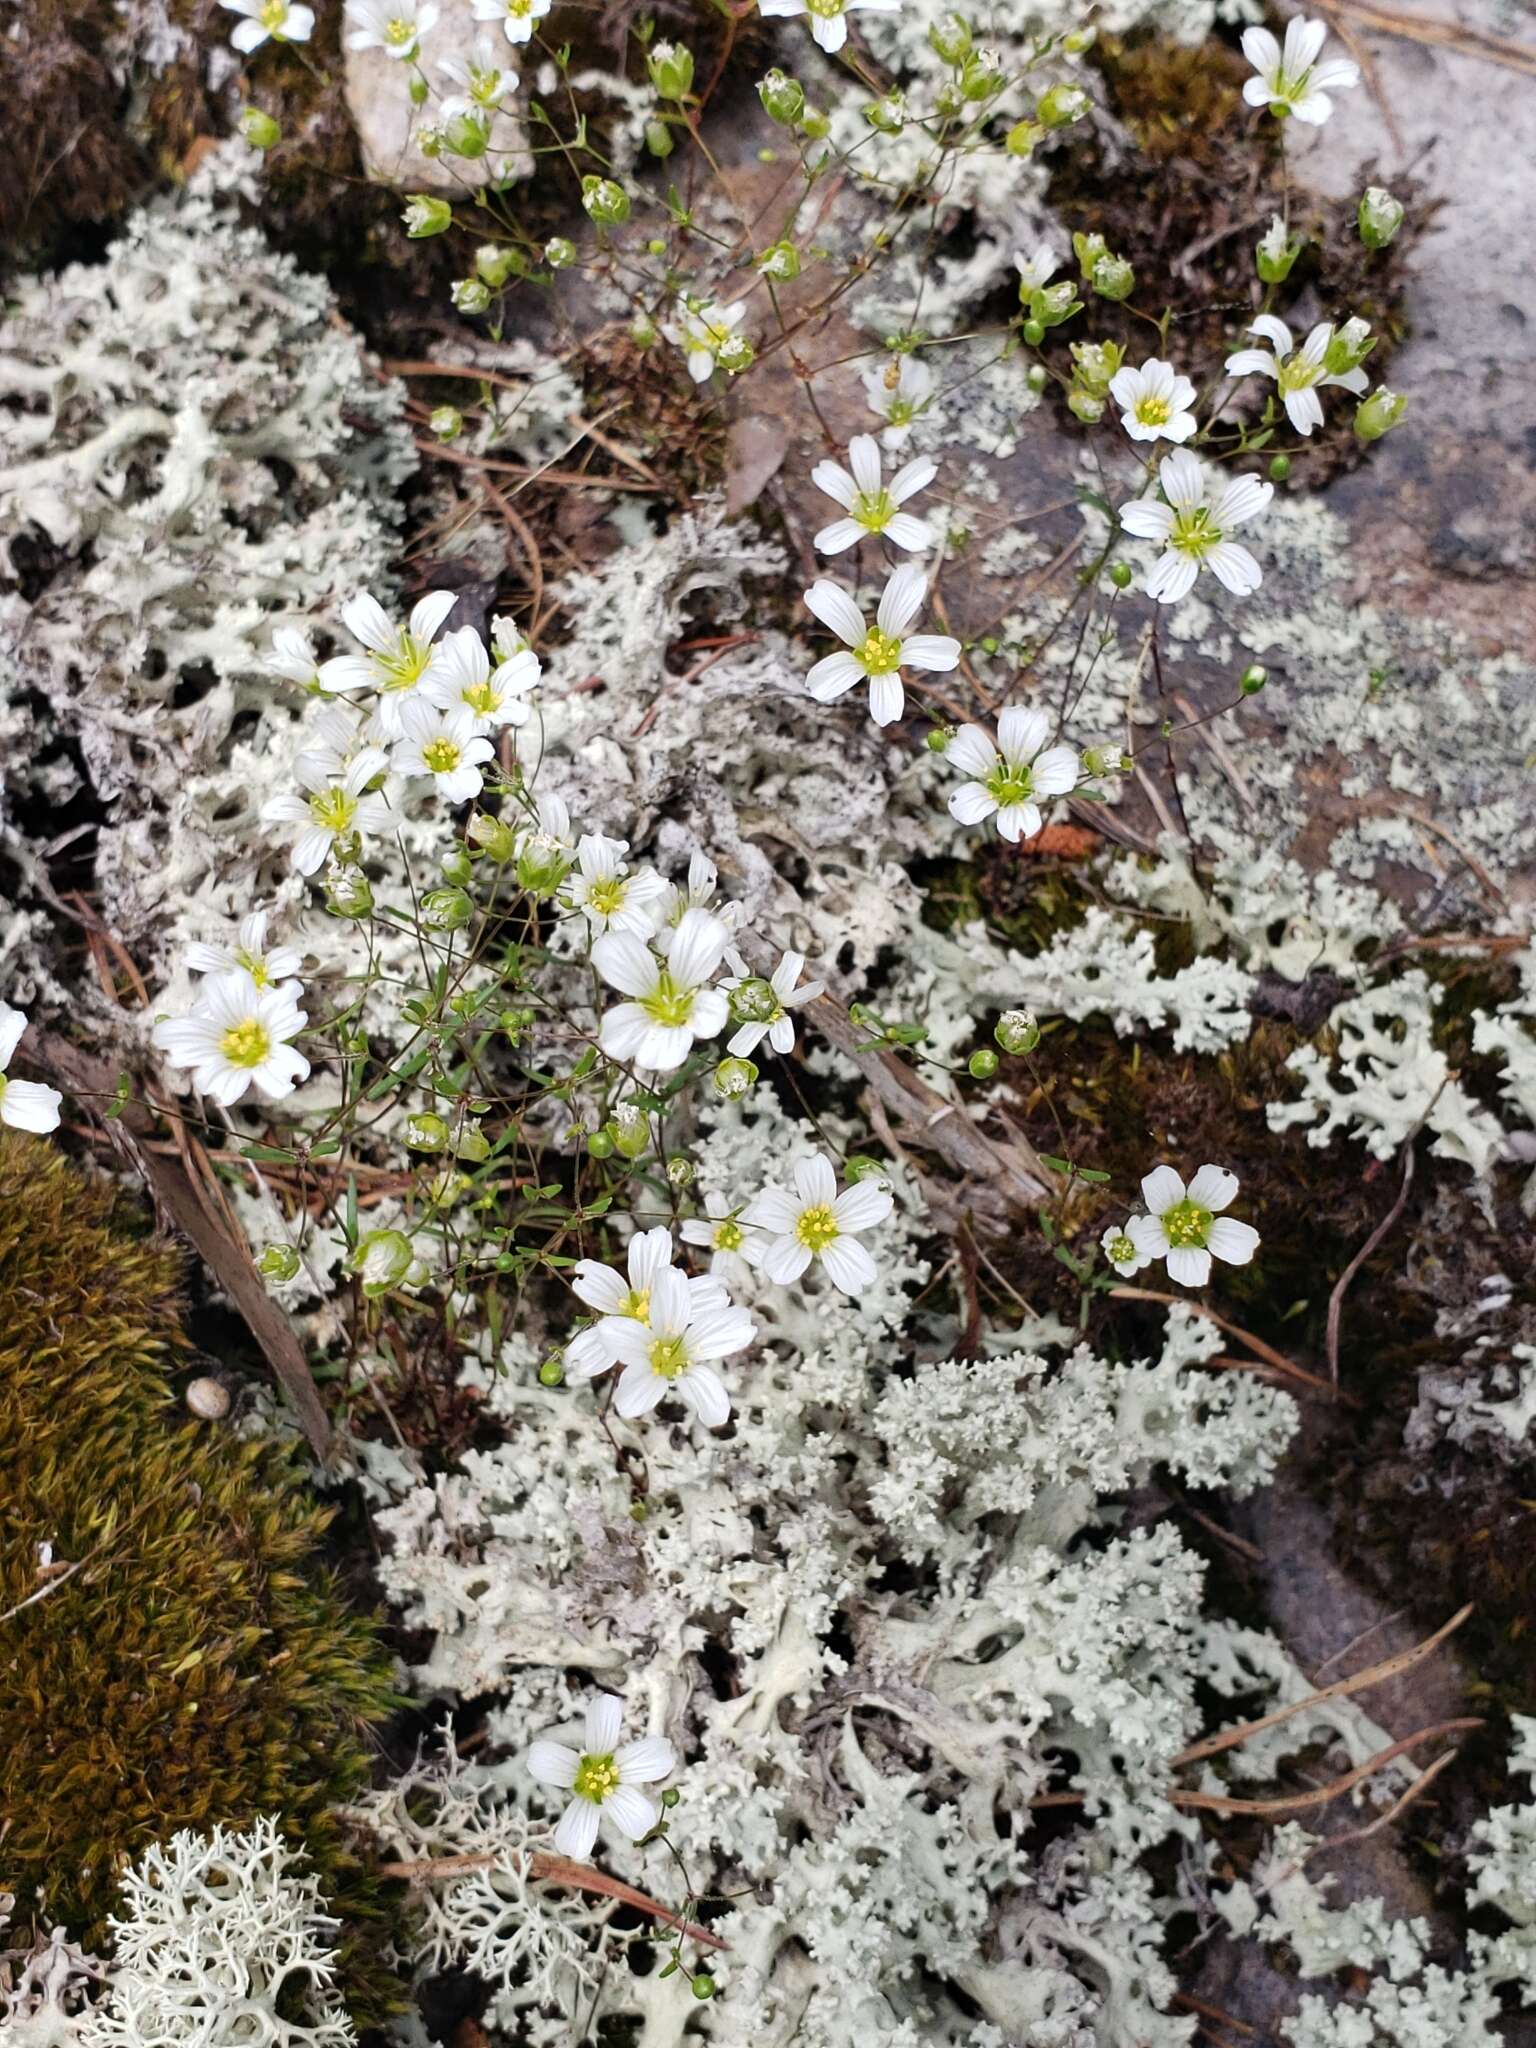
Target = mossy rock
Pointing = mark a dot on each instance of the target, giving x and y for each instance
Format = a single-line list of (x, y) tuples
[(199, 1665)]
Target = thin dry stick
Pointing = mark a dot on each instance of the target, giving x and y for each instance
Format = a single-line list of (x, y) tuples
[(1255, 1344), (1374, 1674), (1416, 1790), (1446, 35), (1303, 1802), (553, 1870), (1336, 1299)]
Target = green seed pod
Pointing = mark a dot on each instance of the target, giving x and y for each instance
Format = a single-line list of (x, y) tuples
[(259, 129), (426, 216), (1016, 1031), (426, 1131), (551, 1373), (278, 1262), (382, 1260), (983, 1063), (605, 202), (671, 69), (447, 910), (1380, 217), (1279, 468), (1253, 679), (783, 98), (735, 1077)]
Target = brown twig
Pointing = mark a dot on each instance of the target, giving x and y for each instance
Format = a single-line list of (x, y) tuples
[(1467, 42), (1256, 1345), (1322, 1795), (549, 1869)]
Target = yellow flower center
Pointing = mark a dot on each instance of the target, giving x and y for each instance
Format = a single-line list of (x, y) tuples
[(1194, 533), (247, 1043), (668, 1004), (254, 966), (669, 1355), (402, 667), (333, 809), (441, 755), (1297, 374), (636, 1303), (1122, 1249), (878, 652), (728, 1236), (817, 1228), (273, 15), (607, 896), (825, 10), (596, 1777), (1153, 412), (399, 34), (872, 510), (1187, 1225), (482, 699), (1010, 783)]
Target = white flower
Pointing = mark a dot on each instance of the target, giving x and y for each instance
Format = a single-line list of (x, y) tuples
[(333, 807), (703, 331), (1122, 1250), (1154, 402), (482, 82), (611, 896), (604, 1778), (399, 658), (816, 1222), (24, 1105), (699, 894), (446, 744), (332, 739), (292, 656), (900, 391), (1299, 372), (1193, 526), (877, 651), (266, 965), (283, 20), (1008, 778), (1291, 81), (517, 17), (871, 504), (394, 26), (1037, 270), (673, 1350), (236, 1036), (624, 1297), (828, 25), (732, 1244), (775, 999), (672, 1002), (1182, 1226), (461, 674)]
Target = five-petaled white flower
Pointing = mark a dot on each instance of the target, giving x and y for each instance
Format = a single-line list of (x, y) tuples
[(618, 1298), (872, 505), (285, 21), (604, 1777), (237, 1036), (612, 896), (827, 17), (1037, 270), (1182, 1224), (816, 1222), (482, 83), (461, 673), (394, 26), (445, 743), (399, 660), (876, 652), (268, 966), (674, 1347), (1193, 525), (333, 807), (1154, 401), (733, 1245), (1122, 1250), (1291, 81), (672, 1002), (517, 17), (764, 1006), (706, 333), (900, 390), (1011, 776), (698, 893), (24, 1105), (1300, 373)]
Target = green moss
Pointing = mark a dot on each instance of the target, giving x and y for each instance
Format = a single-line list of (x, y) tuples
[(198, 1666)]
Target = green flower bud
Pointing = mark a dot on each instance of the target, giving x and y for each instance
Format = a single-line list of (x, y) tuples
[(1094, 363), (658, 138), (779, 260), (418, 89), (950, 39), (426, 216), (1023, 137), (939, 737), (559, 252), (888, 115), (1349, 347), (814, 126), (347, 891), (472, 1144), (1276, 253), (606, 203), (467, 135), (447, 910), (1379, 414), (671, 1797), (259, 129), (1050, 304), (382, 1260), (600, 1145), (551, 1373), (1380, 217), (1088, 249), (1120, 576), (671, 69), (278, 1262), (753, 1001), (1253, 679), (783, 98), (1017, 1031), (981, 78), (983, 1063), (426, 1131), (1086, 407), (1034, 332), (495, 839), (1037, 376), (542, 864), (457, 867), (679, 1171), (703, 1985), (471, 295), (1095, 760), (1061, 105), (1113, 278), (860, 1166), (630, 1130), (735, 1077), (1279, 468), (495, 262), (446, 422), (1079, 40)]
